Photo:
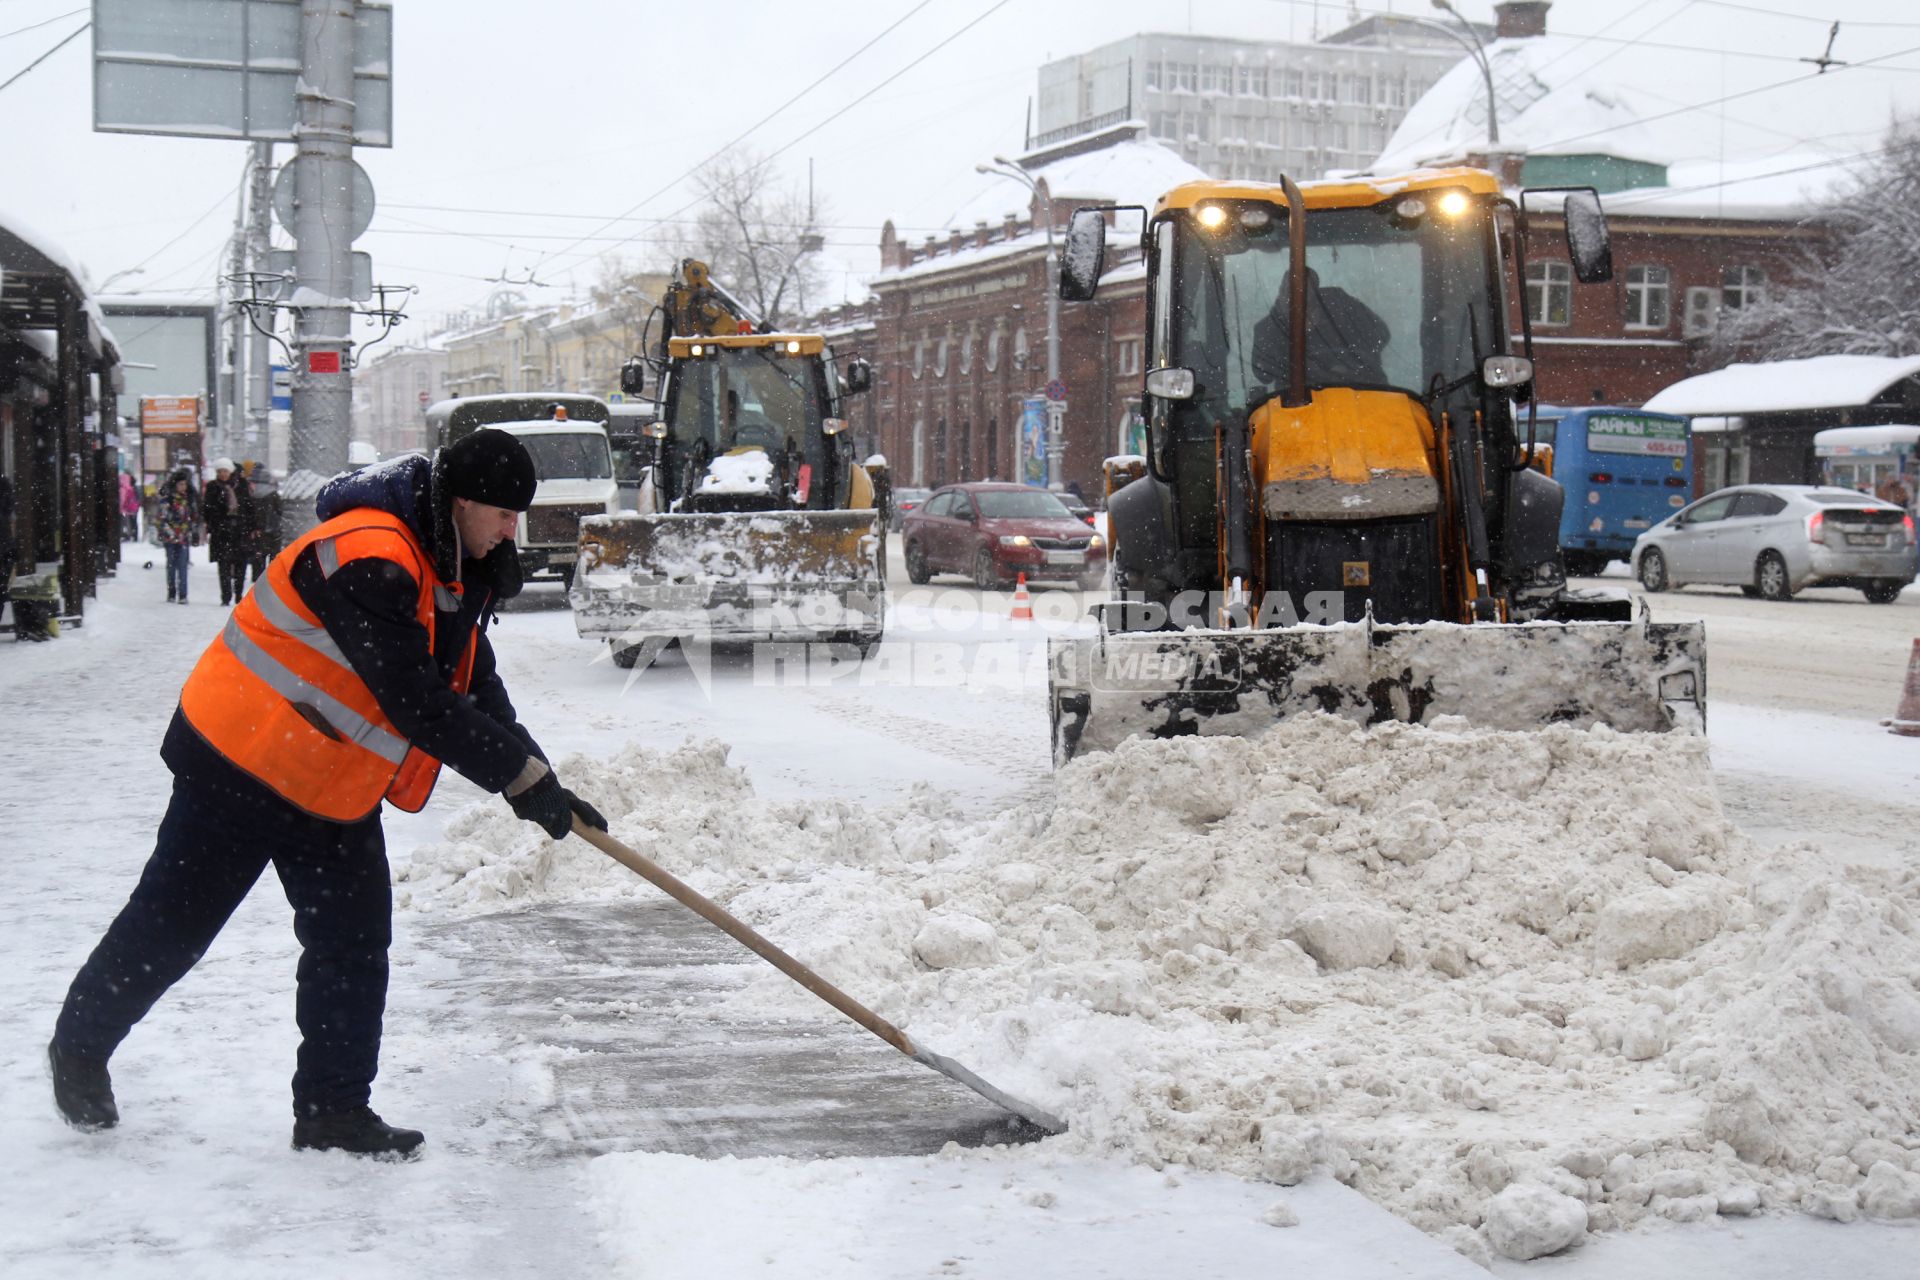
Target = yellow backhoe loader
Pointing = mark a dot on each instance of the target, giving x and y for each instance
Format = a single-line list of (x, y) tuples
[(1339, 510), (754, 522)]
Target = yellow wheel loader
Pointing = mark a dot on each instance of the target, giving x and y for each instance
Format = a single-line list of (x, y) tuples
[(755, 522), (1339, 509)]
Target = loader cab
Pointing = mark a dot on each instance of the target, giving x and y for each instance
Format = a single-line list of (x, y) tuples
[(774, 393), (1401, 292)]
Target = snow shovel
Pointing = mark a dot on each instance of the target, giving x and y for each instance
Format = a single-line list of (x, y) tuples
[(713, 913)]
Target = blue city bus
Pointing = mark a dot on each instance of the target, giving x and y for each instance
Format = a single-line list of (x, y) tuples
[(1624, 471)]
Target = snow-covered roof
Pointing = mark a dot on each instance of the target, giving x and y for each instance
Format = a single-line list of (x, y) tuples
[(1818, 382), (1560, 96), (1783, 188), (1546, 106), (1839, 442), (1130, 171)]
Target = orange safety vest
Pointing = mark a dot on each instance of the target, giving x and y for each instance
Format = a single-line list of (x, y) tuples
[(276, 696)]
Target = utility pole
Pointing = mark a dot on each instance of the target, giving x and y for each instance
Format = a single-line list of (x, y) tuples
[(259, 348), (225, 428), (323, 235)]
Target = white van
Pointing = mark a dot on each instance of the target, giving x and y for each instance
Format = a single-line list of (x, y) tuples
[(575, 465), (567, 436)]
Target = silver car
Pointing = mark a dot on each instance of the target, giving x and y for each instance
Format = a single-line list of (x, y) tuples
[(1772, 540)]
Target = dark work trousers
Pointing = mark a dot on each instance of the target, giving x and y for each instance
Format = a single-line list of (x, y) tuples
[(233, 581), (210, 851)]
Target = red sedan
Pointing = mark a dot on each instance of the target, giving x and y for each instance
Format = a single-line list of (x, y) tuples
[(992, 532)]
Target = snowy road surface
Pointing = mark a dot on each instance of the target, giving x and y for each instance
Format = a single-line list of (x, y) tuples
[(579, 1116)]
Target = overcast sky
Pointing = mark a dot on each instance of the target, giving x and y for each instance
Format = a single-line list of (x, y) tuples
[(523, 125)]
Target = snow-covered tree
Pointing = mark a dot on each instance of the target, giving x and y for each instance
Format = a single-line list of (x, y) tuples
[(1854, 293)]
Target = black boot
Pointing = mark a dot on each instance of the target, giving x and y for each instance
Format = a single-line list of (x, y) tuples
[(359, 1132), (82, 1090)]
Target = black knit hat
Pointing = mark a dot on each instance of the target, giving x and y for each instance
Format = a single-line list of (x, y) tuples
[(492, 467)]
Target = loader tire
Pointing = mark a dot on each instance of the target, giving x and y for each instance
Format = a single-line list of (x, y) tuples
[(1653, 570), (919, 573), (1770, 577)]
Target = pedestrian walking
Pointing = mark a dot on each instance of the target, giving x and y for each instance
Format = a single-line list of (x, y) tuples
[(176, 520), (129, 509), (346, 676), (220, 503)]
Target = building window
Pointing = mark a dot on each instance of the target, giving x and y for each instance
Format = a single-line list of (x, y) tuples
[(1338, 137), (966, 351), (1742, 287), (1359, 89), (1020, 349), (1126, 357), (993, 348), (1215, 79), (1549, 292), (1315, 85), (1396, 91), (1649, 297), (1250, 82), (920, 356), (1292, 83), (940, 356), (1150, 78), (1163, 124), (1183, 77)]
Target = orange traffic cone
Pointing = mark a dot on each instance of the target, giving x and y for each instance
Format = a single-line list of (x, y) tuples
[(1023, 604), (1906, 721)]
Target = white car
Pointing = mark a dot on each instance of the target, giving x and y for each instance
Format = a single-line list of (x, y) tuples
[(1772, 540), (574, 462)]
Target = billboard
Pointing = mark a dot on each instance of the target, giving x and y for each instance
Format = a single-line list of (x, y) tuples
[(1033, 441), (169, 415), (226, 69)]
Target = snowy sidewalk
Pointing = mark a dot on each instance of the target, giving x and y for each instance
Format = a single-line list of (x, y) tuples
[(199, 1178)]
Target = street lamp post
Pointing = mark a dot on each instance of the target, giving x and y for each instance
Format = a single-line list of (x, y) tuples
[(1479, 52), (1056, 409)]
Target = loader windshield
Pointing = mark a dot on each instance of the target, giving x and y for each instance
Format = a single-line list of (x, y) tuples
[(744, 397), (1392, 301)]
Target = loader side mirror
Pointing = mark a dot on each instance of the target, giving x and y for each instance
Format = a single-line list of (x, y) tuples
[(1086, 254), (633, 377), (1170, 384), (859, 376), (1587, 239)]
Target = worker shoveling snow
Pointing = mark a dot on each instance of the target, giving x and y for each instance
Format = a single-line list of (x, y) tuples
[(1513, 986)]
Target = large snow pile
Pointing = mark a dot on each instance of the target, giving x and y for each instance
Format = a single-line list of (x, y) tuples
[(1514, 986)]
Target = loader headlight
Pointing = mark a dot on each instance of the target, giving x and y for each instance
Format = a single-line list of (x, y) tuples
[(1454, 203), (1015, 540), (1212, 216), (793, 347), (696, 350)]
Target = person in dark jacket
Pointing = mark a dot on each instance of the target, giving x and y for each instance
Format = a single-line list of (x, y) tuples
[(227, 504), (272, 763)]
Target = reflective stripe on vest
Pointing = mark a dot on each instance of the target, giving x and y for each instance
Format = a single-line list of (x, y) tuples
[(276, 696)]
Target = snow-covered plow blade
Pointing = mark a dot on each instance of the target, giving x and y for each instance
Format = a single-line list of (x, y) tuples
[(736, 576), (1634, 676)]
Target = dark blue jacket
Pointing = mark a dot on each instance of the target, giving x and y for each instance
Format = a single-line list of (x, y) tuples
[(368, 609)]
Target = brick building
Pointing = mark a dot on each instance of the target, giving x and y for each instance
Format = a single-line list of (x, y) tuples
[(957, 326)]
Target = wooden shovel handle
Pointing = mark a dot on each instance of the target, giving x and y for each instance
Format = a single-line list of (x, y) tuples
[(715, 914)]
